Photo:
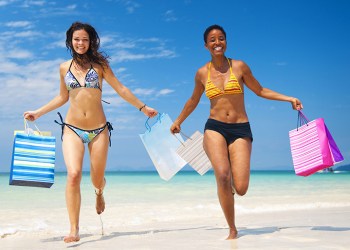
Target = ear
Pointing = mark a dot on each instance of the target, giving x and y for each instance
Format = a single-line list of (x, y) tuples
[(206, 46)]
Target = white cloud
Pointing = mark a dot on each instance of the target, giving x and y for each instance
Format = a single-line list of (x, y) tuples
[(281, 63), (23, 34), (28, 86), (30, 3), (163, 92), (4, 2), (19, 54), (71, 7), (169, 16), (144, 92), (19, 24), (130, 6), (152, 92), (124, 55)]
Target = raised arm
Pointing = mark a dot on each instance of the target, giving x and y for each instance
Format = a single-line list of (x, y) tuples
[(55, 103), (266, 93), (126, 94), (190, 105)]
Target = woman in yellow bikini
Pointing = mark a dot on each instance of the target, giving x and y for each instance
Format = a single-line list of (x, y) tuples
[(227, 134), (85, 122)]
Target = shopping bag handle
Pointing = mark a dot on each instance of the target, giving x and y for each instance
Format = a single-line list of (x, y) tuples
[(183, 135), (27, 128), (148, 127), (302, 119)]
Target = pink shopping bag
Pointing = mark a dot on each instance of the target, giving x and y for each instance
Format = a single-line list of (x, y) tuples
[(312, 146)]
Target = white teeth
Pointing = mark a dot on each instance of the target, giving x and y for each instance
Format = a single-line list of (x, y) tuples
[(218, 48)]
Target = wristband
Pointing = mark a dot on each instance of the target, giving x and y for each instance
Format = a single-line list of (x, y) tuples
[(142, 107)]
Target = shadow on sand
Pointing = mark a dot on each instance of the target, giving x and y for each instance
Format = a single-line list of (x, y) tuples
[(242, 232)]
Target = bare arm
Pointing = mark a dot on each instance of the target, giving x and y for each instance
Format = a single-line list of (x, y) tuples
[(55, 103), (266, 93), (190, 105), (126, 94)]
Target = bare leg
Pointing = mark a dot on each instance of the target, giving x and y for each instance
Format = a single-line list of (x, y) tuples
[(73, 152), (216, 148), (239, 153), (98, 156)]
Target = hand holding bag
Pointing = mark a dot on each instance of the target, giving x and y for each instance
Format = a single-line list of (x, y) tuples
[(161, 146), (33, 159), (312, 146)]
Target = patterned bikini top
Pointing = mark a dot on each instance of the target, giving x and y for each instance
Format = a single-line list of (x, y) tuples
[(231, 87), (91, 80)]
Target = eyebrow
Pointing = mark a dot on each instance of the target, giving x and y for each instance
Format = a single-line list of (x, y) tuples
[(84, 37)]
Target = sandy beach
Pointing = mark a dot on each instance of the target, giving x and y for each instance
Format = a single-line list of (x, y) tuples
[(183, 214), (311, 229)]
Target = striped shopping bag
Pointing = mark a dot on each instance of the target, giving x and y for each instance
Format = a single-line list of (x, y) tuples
[(312, 146), (33, 160), (193, 153)]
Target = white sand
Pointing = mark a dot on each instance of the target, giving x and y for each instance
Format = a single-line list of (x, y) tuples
[(324, 228)]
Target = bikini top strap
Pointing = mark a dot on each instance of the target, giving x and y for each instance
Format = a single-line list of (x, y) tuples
[(70, 65), (62, 124), (229, 63), (209, 70)]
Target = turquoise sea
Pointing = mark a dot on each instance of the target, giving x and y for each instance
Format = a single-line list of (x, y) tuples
[(138, 198)]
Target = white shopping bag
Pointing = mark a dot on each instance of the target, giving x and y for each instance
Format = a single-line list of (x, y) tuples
[(161, 146), (192, 151)]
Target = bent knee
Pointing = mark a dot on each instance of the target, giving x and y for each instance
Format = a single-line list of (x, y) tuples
[(241, 190)]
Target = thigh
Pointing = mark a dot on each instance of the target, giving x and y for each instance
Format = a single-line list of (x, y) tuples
[(98, 149), (240, 151), (216, 149), (73, 152)]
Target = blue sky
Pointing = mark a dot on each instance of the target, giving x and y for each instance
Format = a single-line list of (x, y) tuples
[(296, 47)]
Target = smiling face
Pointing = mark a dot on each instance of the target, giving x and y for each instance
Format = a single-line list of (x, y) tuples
[(80, 41), (216, 42)]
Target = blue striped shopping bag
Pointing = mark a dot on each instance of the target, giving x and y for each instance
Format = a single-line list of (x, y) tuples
[(33, 160)]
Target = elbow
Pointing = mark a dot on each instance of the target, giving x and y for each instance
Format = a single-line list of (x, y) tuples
[(63, 99), (259, 94)]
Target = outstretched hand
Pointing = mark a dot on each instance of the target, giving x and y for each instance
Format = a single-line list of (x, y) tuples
[(30, 115), (296, 104), (175, 128), (150, 112)]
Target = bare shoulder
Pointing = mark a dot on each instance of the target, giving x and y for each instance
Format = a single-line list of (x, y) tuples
[(240, 66), (65, 66), (238, 63), (202, 72)]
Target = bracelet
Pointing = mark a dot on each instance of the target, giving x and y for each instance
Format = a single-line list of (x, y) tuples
[(142, 107)]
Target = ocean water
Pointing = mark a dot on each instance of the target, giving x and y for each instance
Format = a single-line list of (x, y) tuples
[(136, 199)]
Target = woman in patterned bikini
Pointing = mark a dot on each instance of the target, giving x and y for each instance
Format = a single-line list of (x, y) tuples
[(227, 135), (81, 84)]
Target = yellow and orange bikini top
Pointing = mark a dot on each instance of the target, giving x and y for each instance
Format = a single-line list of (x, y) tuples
[(230, 88)]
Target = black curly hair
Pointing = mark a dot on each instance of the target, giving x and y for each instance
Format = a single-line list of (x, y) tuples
[(210, 28)]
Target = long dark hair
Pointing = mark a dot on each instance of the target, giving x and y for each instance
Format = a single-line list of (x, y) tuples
[(93, 54)]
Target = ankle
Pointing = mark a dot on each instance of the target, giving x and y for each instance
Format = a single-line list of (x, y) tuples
[(99, 191)]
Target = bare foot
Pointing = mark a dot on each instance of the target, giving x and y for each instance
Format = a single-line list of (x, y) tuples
[(233, 234), (71, 238), (100, 201)]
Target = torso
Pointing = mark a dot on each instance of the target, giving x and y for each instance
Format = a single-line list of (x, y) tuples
[(226, 91), (85, 93)]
